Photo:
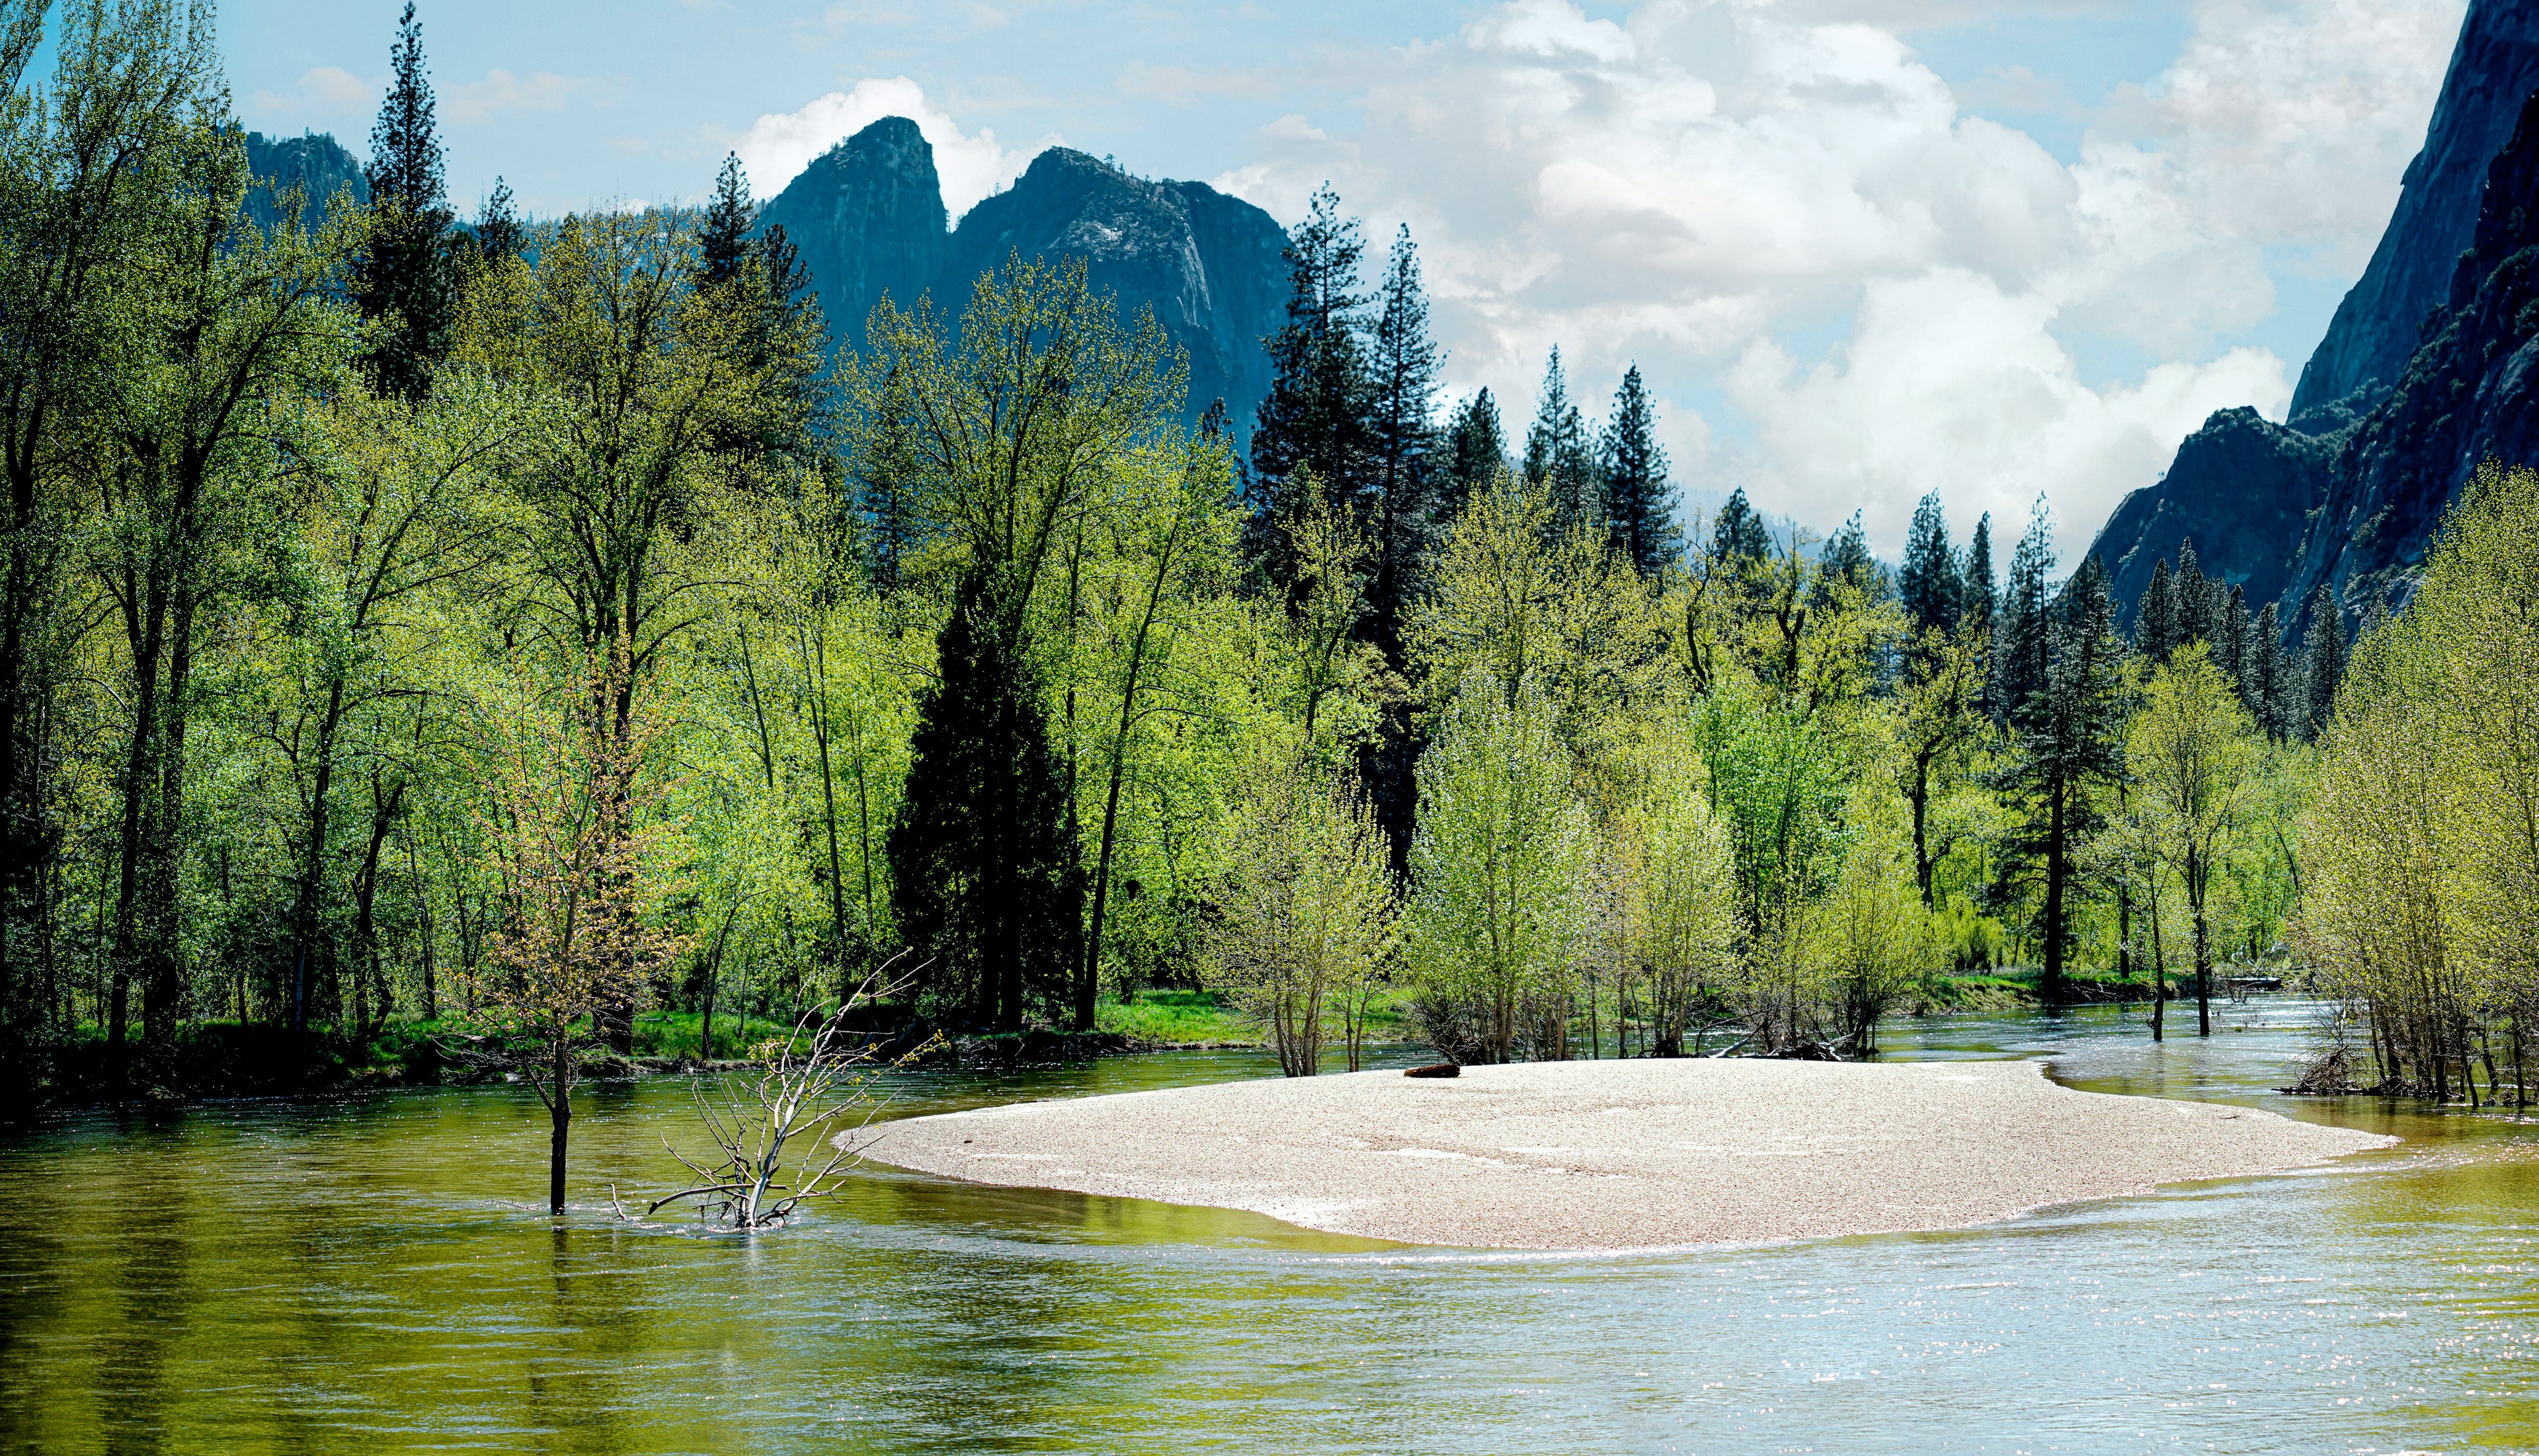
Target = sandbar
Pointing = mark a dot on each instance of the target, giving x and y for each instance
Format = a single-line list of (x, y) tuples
[(1620, 1154)]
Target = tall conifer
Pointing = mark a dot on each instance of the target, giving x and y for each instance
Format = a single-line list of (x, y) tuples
[(1557, 455), (2322, 660), (1317, 412), (2155, 620), (404, 277), (2070, 745), (987, 881), (2262, 675), (1738, 533), (1402, 394), (1479, 450), (1639, 501), (1929, 582), (500, 233), (722, 238), (2020, 646), (1979, 602)]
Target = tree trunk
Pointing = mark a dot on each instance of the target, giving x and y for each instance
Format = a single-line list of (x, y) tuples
[(559, 1113), (2203, 947), (312, 864), (2051, 986)]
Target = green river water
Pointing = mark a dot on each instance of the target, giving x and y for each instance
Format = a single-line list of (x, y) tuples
[(375, 1273)]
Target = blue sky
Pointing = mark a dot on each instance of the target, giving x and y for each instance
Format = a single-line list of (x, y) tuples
[(1862, 249)]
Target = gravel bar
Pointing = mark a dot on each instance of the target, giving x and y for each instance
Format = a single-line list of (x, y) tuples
[(1620, 1154)]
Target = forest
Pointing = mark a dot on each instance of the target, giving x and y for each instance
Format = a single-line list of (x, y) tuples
[(529, 637)]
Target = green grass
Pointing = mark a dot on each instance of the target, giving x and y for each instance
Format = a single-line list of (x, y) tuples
[(1175, 1016), (1187, 1017)]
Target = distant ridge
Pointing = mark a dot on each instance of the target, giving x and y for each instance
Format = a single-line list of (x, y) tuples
[(870, 221), (2421, 375)]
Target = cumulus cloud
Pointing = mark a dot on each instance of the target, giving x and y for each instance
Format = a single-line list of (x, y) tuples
[(324, 90), (971, 165), (500, 91), (2292, 122), (1700, 184)]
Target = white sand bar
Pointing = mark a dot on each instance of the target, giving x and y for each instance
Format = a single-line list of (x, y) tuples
[(1620, 1154)]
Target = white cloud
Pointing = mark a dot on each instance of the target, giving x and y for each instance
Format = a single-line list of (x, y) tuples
[(2292, 122), (324, 90), (500, 91), (971, 165), (1701, 183)]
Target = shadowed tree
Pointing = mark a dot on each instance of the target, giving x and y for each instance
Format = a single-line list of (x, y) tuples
[(403, 278), (1639, 500)]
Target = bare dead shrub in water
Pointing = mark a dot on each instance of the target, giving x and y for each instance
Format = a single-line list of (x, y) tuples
[(815, 1087)]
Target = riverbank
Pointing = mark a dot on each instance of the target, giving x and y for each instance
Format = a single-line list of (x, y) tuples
[(1619, 1155)]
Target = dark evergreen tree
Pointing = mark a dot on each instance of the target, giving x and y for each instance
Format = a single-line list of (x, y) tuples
[(1403, 392), (2069, 746), (2262, 677), (2020, 645), (1639, 501), (403, 277), (2190, 600), (500, 233), (1846, 558), (1739, 532), (2155, 620), (1559, 456), (1932, 590), (986, 885), (1317, 414), (722, 238), (1479, 448), (2322, 661), (2230, 629), (1979, 604), (1409, 510)]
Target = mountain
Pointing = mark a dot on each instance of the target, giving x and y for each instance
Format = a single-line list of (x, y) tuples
[(2469, 393), (2410, 388), (869, 220), (315, 162), (2493, 67)]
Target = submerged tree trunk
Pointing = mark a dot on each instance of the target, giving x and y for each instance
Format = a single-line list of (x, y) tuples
[(560, 1120)]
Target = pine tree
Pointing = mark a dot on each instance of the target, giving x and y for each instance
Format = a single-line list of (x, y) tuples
[(1317, 412), (1738, 533), (2155, 620), (1931, 589), (2261, 683), (2322, 661), (1479, 451), (1407, 521), (1846, 559), (2022, 649), (2230, 629), (722, 240), (2190, 600), (1557, 455), (1980, 601), (403, 277), (1403, 370), (1639, 501), (499, 232), (2070, 744), (988, 888)]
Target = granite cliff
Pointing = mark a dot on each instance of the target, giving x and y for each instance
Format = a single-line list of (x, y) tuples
[(2421, 374), (869, 220), (315, 162)]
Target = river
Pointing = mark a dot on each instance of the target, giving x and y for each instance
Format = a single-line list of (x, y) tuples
[(374, 1272)]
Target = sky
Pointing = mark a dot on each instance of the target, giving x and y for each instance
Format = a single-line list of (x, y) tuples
[(1860, 250)]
